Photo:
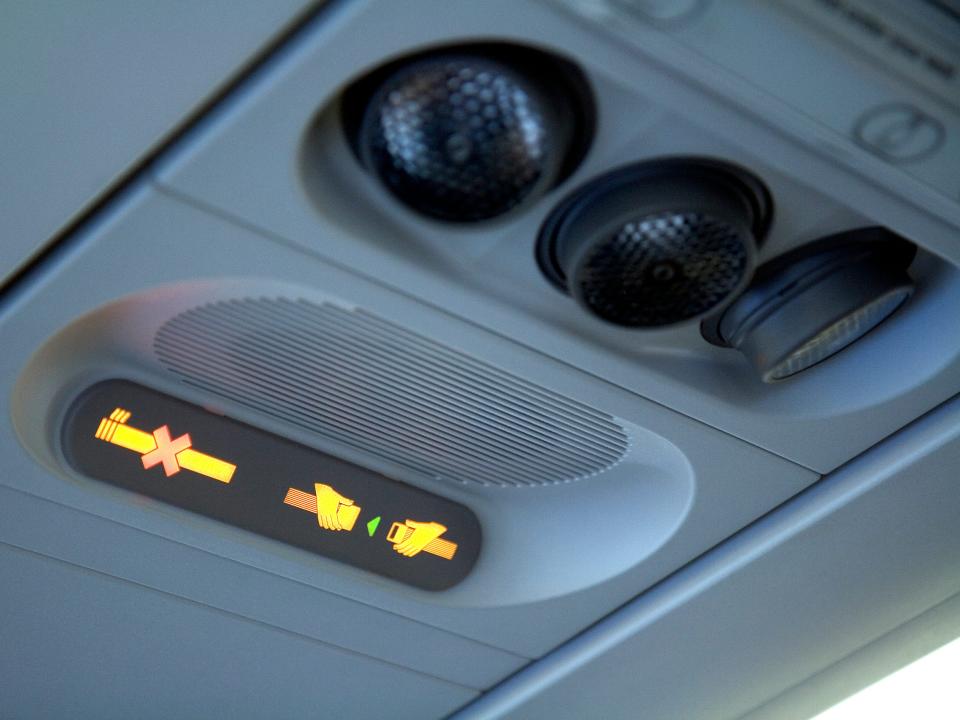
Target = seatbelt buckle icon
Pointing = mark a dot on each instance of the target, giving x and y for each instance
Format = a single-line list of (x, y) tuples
[(333, 510), (410, 538)]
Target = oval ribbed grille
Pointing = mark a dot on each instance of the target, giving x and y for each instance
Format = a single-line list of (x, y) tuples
[(363, 381)]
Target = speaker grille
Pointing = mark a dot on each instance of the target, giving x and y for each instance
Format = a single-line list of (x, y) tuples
[(358, 379)]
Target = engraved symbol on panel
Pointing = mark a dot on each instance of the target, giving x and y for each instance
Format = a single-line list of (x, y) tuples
[(334, 511), (899, 133), (159, 448)]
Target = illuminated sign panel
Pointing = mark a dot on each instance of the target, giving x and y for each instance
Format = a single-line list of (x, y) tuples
[(181, 454)]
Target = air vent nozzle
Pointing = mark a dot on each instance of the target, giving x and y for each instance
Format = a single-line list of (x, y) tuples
[(657, 243), (468, 133)]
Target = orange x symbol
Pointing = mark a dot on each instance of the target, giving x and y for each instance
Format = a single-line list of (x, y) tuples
[(166, 451)]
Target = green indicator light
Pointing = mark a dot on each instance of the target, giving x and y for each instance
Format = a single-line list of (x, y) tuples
[(373, 525)]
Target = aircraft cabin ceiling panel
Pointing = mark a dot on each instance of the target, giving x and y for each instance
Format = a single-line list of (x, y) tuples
[(90, 90), (643, 499), (155, 655), (765, 612)]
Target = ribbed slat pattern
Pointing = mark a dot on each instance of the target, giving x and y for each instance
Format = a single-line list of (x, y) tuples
[(366, 382)]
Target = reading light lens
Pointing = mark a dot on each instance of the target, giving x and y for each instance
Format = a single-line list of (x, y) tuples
[(809, 304), (837, 336)]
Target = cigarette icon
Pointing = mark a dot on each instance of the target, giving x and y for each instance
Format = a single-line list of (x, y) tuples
[(158, 448)]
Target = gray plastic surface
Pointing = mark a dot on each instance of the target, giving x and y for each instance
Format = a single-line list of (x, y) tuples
[(840, 566), (686, 488), (118, 650), (276, 158), (843, 72), (112, 549), (90, 88), (909, 642)]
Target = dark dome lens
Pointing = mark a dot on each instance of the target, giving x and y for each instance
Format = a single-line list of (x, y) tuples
[(662, 269), (464, 136)]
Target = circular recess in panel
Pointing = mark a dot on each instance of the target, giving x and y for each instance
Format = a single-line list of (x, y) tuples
[(347, 201), (469, 132), (446, 140), (567, 495)]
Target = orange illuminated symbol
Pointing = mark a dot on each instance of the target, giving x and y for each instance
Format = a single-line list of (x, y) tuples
[(158, 448), (166, 451), (333, 510), (410, 538)]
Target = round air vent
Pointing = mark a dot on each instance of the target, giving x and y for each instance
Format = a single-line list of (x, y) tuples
[(809, 304), (657, 243), (468, 133)]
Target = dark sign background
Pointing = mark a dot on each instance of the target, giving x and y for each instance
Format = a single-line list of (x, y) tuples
[(267, 466)]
